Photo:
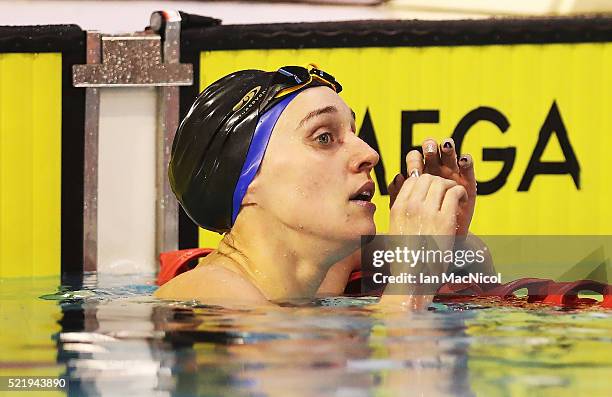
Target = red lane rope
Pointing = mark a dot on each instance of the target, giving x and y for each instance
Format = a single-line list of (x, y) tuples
[(174, 263)]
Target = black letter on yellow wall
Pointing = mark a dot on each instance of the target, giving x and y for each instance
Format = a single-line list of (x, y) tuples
[(366, 132), (506, 155), (409, 119), (553, 123)]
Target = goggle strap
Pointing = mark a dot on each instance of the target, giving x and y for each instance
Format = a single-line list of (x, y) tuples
[(290, 90)]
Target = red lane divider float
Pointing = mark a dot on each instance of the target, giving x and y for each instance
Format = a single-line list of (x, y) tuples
[(174, 263), (538, 290), (566, 293)]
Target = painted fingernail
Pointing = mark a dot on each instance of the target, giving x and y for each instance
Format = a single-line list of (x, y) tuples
[(430, 148), (447, 145), (463, 159)]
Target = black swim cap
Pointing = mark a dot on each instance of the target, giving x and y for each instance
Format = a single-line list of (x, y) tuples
[(213, 140)]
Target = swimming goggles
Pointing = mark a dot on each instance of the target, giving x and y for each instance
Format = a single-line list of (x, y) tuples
[(294, 78)]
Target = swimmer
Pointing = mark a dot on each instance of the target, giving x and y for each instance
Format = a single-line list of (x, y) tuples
[(272, 160)]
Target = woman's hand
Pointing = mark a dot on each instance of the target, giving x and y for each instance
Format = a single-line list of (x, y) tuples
[(442, 161), (426, 204)]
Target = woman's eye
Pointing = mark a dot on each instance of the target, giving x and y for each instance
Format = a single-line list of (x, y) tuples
[(325, 138)]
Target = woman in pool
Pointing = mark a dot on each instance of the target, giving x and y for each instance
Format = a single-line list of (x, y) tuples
[(291, 214)]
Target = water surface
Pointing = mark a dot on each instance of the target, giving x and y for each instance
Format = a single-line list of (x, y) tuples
[(110, 337)]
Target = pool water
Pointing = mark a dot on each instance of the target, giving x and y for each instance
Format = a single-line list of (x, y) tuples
[(110, 337)]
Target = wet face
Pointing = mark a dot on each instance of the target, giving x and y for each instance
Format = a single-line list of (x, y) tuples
[(315, 175)]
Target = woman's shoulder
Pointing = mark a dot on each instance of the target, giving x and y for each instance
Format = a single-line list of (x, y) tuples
[(213, 284)]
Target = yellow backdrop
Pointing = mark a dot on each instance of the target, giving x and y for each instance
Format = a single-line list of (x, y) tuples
[(567, 84), (30, 164)]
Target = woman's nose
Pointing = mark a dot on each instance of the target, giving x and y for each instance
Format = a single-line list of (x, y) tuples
[(364, 158)]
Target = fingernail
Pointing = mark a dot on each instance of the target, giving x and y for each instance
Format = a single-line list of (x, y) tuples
[(430, 148), (463, 159), (447, 145)]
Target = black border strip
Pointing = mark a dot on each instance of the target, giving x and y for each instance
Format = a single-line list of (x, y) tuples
[(397, 33), (70, 41), (188, 231)]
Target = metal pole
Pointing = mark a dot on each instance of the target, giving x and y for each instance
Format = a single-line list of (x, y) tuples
[(168, 121), (90, 182)]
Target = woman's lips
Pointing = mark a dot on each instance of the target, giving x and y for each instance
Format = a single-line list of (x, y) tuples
[(365, 192), (366, 204)]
